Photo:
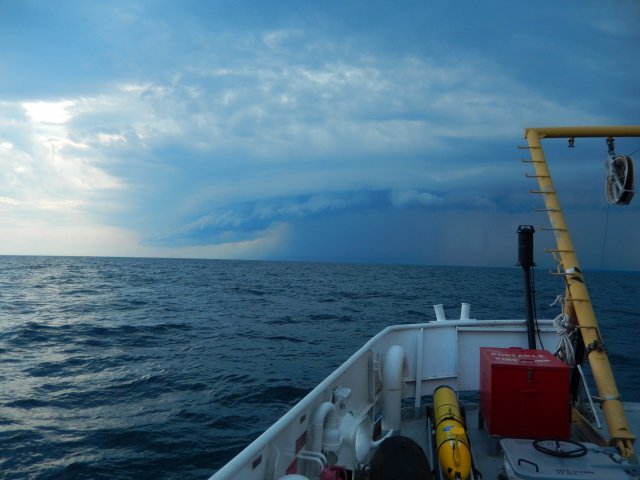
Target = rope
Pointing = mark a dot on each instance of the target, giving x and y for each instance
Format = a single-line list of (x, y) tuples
[(634, 152), (604, 238), (564, 346), (606, 222), (565, 331)]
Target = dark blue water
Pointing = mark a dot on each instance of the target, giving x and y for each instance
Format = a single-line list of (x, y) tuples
[(153, 368)]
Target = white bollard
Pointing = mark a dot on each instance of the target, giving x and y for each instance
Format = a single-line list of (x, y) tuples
[(439, 313)]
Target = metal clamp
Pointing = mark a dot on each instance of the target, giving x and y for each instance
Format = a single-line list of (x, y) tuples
[(606, 398), (596, 345)]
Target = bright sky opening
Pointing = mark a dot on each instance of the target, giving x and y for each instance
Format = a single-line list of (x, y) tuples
[(344, 131)]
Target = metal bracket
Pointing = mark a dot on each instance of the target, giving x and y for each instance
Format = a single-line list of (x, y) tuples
[(596, 345), (611, 146)]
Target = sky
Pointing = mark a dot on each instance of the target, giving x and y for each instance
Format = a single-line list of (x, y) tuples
[(333, 131)]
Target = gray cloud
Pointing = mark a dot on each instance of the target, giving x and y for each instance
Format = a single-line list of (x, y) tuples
[(206, 124)]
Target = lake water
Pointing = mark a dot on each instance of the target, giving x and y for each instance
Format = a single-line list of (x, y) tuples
[(116, 368)]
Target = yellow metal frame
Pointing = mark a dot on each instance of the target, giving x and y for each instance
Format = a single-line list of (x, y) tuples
[(577, 296)]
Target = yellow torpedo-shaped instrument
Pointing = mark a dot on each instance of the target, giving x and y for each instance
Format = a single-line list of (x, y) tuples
[(452, 442)]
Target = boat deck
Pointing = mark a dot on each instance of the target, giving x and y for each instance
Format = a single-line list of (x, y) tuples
[(339, 422), (486, 450)]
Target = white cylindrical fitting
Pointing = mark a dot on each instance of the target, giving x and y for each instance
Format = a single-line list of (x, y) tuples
[(464, 311), (439, 312), (392, 388), (325, 413)]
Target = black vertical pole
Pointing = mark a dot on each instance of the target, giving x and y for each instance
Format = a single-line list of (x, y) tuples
[(525, 260)]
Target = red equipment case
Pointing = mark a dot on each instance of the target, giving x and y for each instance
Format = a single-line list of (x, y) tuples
[(524, 393)]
